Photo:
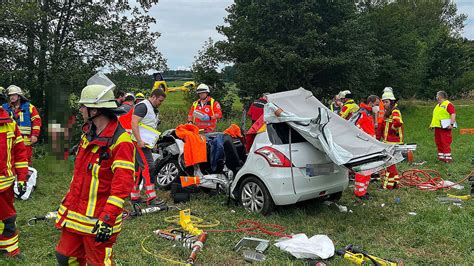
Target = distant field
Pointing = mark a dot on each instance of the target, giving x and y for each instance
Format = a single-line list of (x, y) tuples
[(439, 234)]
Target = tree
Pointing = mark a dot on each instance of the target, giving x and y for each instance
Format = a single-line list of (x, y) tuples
[(205, 70), (51, 48), (282, 45)]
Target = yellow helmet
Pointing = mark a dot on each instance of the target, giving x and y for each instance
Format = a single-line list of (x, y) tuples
[(98, 96), (140, 96)]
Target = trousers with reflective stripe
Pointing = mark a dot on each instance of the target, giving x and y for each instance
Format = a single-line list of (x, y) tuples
[(8, 233), (391, 178), (361, 184), (143, 172)]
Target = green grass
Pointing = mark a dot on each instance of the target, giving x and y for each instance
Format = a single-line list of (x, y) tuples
[(439, 234)]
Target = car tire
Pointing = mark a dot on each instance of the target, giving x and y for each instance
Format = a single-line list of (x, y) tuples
[(166, 172), (254, 196)]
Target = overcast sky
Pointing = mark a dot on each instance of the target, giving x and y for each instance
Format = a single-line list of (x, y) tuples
[(186, 24)]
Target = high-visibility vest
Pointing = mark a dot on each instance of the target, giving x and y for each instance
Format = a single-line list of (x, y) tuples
[(24, 116), (351, 106), (440, 112), (195, 104), (388, 136)]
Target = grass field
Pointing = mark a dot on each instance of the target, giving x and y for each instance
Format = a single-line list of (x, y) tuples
[(439, 234)]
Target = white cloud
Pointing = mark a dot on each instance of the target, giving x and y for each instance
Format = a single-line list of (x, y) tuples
[(185, 25), (467, 7)]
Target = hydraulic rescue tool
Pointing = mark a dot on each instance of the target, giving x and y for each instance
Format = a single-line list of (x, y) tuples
[(139, 211), (361, 257), (48, 216)]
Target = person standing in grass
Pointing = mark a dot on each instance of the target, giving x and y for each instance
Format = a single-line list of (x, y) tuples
[(443, 121), (391, 131), (90, 215), (205, 112), (365, 121), (13, 165)]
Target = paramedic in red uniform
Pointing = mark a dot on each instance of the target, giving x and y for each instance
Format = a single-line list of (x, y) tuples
[(205, 112), (367, 124), (90, 215), (26, 116), (13, 165), (443, 121), (391, 131)]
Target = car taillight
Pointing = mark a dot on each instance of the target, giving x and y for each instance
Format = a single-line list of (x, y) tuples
[(274, 157)]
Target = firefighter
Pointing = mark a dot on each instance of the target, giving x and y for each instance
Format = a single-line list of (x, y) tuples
[(139, 97), (26, 116), (205, 112), (90, 215), (443, 121), (348, 107), (366, 123), (391, 131), (13, 164), (145, 114), (381, 112)]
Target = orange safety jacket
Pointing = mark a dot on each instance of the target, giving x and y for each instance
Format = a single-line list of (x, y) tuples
[(210, 107), (13, 161), (194, 144), (366, 121), (102, 179), (391, 130)]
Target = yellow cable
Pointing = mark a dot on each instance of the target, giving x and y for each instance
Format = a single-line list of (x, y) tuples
[(160, 256), (196, 221)]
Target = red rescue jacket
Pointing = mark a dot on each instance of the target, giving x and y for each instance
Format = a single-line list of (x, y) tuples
[(366, 120), (103, 178), (209, 107), (13, 161), (391, 129)]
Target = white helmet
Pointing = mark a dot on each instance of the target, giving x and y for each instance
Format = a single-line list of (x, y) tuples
[(342, 94), (203, 88), (388, 96), (13, 89), (388, 89)]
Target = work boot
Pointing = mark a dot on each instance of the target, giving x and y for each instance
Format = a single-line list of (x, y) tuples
[(155, 202)]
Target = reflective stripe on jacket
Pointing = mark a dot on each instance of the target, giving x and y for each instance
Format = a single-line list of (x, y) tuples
[(348, 109), (393, 128), (210, 108), (102, 180), (13, 161)]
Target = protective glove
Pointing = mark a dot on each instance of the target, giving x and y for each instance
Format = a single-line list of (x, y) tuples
[(21, 185), (104, 231)]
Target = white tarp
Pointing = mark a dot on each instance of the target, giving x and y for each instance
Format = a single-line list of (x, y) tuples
[(343, 142)]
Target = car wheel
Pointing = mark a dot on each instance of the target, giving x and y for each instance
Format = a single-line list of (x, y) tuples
[(254, 196), (166, 172)]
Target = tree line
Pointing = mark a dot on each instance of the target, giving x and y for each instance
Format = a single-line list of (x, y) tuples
[(414, 46)]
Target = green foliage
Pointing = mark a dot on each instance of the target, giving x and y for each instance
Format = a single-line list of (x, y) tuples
[(205, 70), (326, 46)]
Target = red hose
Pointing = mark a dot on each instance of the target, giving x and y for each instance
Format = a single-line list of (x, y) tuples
[(256, 228), (426, 179)]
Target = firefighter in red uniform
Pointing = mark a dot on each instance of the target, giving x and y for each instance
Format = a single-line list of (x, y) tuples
[(26, 116), (443, 121), (365, 121), (13, 164), (348, 107), (205, 112), (90, 215), (391, 131)]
